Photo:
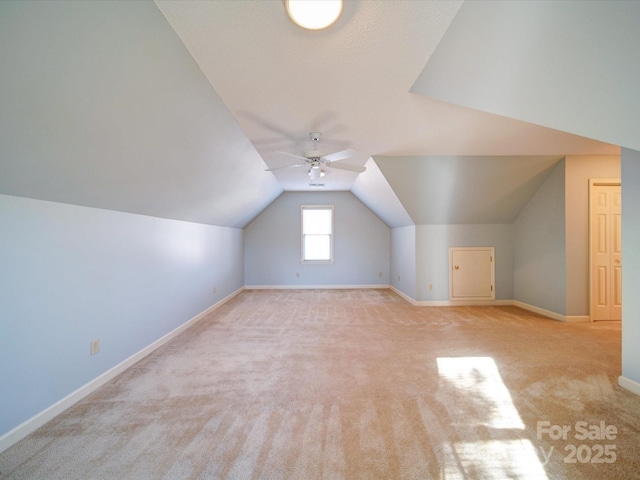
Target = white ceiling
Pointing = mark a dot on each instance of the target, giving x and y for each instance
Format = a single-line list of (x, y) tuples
[(351, 82), (102, 104)]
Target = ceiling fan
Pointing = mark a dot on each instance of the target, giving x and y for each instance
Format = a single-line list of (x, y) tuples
[(317, 162)]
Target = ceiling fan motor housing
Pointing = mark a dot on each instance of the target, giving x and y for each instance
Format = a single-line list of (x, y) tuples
[(317, 161), (314, 154)]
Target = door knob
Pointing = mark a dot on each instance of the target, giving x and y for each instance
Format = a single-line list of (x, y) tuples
[(456, 267)]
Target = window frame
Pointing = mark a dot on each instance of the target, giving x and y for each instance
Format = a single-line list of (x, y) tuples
[(331, 235)]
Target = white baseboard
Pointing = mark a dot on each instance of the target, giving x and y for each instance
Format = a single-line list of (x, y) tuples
[(516, 303), (403, 295), (18, 433), (314, 287), (463, 303), (438, 303), (633, 387), (548, 313)]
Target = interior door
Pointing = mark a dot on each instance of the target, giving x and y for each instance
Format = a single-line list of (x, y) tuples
[(605, 244), (472, 273)]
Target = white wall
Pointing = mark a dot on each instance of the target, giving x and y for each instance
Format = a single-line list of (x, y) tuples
[(73, 274), (432, 256), (273, 241), (631, 266), (539, 270), (403, 260), (579, 169)]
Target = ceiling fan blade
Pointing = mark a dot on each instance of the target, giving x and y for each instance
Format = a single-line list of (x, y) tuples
[(341, 155), (294, 156), (286, 166), (347, 166)]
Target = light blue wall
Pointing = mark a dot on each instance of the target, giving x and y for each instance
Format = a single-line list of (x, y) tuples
[(432, 256), (631, 262), (72, 274), (403, 260), (272, 244), (585, 40), (102, 105), (539, 272)]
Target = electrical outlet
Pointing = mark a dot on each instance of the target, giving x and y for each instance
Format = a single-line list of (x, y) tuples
[(398, 277), (431, 286), (95, 346), (380, 274), (297, 274), (215, 289)]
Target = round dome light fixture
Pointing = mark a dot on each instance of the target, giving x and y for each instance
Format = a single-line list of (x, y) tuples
[(314, 14), (315, 172)]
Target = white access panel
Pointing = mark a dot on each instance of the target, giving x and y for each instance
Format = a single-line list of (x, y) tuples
[(472, 273)]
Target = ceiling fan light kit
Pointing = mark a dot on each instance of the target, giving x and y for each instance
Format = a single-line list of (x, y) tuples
[(315, 172), (313, 14), (317, 162)]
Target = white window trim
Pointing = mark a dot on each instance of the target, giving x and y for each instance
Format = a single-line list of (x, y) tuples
[(316, 207)]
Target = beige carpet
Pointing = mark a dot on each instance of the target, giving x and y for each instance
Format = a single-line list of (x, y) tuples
[(353, 384)]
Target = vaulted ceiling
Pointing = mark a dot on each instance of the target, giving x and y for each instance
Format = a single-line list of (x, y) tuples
[(175, 109)]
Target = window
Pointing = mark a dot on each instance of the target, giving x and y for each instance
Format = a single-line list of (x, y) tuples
[(317, 234)]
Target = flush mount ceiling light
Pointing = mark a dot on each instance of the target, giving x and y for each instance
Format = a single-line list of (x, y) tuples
[(313, 14)]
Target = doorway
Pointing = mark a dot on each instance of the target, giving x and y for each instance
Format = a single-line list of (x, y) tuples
[(605, 249)]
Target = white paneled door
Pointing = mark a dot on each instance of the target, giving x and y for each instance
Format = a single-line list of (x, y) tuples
[(472, 273), (605, 245)]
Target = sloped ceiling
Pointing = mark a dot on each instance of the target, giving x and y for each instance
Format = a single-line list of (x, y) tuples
[(570, 65), (465, 190), (102, 106), (373, 190), (352, 82), (174, 109)]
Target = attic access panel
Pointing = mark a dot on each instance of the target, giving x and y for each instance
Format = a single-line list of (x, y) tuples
[(472, 273)]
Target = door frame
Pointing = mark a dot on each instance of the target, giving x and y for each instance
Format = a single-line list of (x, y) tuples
[(596, 182)]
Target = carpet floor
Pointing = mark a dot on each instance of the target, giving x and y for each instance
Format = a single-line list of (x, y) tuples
[(354, 384)]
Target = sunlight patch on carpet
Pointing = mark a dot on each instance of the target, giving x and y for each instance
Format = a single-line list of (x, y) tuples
[(487, 398)]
